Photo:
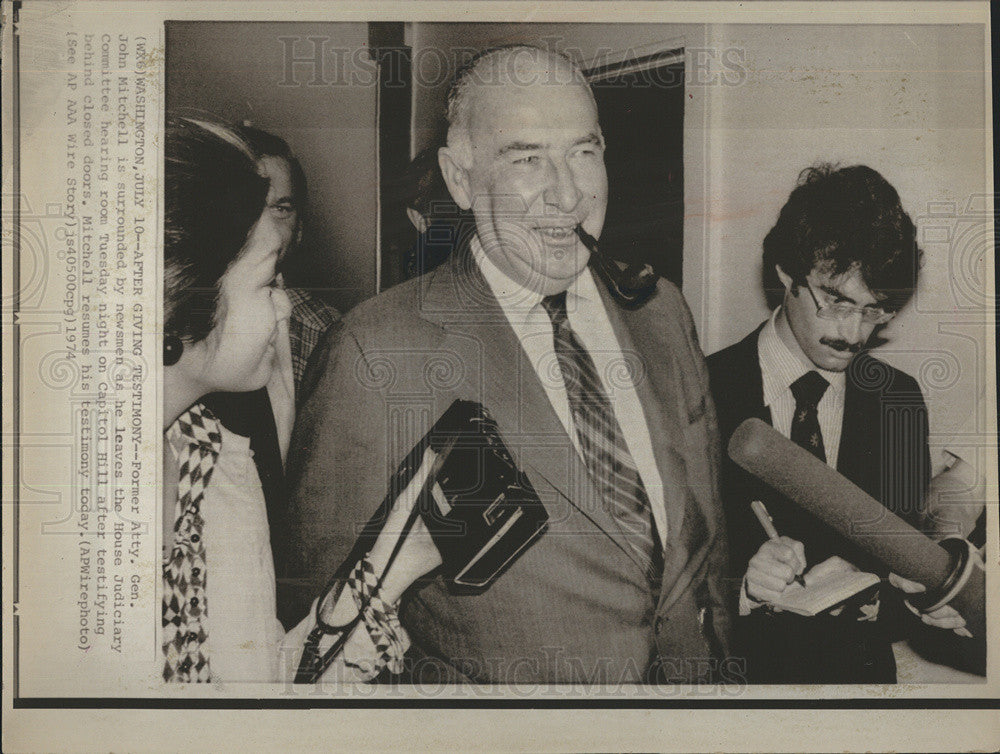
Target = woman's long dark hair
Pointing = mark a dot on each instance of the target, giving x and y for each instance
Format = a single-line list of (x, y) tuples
[(214, 195)]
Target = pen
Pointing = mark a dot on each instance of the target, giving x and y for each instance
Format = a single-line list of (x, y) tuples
[(765, 520)]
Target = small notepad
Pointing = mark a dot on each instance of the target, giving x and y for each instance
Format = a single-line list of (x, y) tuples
[(824, 593)]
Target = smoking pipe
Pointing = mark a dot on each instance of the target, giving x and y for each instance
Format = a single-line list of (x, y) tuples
[(632, 286)]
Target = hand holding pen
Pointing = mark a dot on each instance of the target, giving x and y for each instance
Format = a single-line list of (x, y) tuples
[(778, 562)]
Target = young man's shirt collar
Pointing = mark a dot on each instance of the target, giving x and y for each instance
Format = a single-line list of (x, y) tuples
[(781, 366)]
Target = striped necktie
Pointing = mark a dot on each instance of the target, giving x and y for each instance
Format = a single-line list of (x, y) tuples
[(611, 467), (197, 435)]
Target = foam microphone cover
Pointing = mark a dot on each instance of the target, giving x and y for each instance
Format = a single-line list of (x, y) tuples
[(834, 499)]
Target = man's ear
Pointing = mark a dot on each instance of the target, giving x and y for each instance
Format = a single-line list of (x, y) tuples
[(418, 220), (455, 176)]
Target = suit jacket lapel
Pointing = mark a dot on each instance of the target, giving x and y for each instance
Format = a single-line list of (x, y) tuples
[(856, 458), (660, 398), (458, 299), (750, 391)]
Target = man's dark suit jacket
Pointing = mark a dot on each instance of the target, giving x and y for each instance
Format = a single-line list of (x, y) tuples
[(883, 450), (575, 606)]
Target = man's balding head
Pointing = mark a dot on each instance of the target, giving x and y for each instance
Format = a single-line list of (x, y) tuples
[(519, 65), (525, 153)]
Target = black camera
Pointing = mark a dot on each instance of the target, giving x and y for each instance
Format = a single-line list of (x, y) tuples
[(481, 510)]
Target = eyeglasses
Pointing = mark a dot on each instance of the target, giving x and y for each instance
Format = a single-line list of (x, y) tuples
[(841, 311)]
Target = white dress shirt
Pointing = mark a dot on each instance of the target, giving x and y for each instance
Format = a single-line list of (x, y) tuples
[(589, 322), (779, 368), (281, 390)]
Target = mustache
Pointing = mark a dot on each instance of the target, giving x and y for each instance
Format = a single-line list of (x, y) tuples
[(841, 345)]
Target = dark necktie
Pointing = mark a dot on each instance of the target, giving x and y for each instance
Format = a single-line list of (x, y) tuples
[(185, 608), (611, 467), (808, 390)]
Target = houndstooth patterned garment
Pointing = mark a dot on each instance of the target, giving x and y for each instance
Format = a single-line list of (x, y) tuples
[(311, 317), (185, 608), (381, 619)]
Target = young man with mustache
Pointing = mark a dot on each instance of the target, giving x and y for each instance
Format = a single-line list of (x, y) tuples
[(839, 263)]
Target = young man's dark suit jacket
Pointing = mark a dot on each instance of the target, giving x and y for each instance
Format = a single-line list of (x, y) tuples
[(883, 450), (575, 606)]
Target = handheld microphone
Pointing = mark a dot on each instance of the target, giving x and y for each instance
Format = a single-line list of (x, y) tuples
[(630, 287), (948, 569)]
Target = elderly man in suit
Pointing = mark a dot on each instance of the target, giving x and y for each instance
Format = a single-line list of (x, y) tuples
[(607, 411), (841, 260)]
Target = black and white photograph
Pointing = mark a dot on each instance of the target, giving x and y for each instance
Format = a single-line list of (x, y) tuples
[(504, 358), (508, 278)]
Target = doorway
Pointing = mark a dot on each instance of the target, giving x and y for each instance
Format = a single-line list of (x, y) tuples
[(640, 102)]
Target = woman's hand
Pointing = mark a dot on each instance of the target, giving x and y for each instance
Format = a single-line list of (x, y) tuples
[(417, 555), (945, 617), (955, 500)]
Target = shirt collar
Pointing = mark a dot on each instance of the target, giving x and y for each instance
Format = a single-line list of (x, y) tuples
[(515, 298), (780, 366)]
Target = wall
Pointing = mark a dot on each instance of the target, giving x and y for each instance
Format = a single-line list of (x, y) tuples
[(234, 72), (906, 100)]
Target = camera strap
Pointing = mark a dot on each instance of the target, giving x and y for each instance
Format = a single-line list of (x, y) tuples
[(315, 662)]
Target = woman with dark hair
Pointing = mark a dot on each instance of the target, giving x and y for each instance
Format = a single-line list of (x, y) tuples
[(221, 306), (224, 310)]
